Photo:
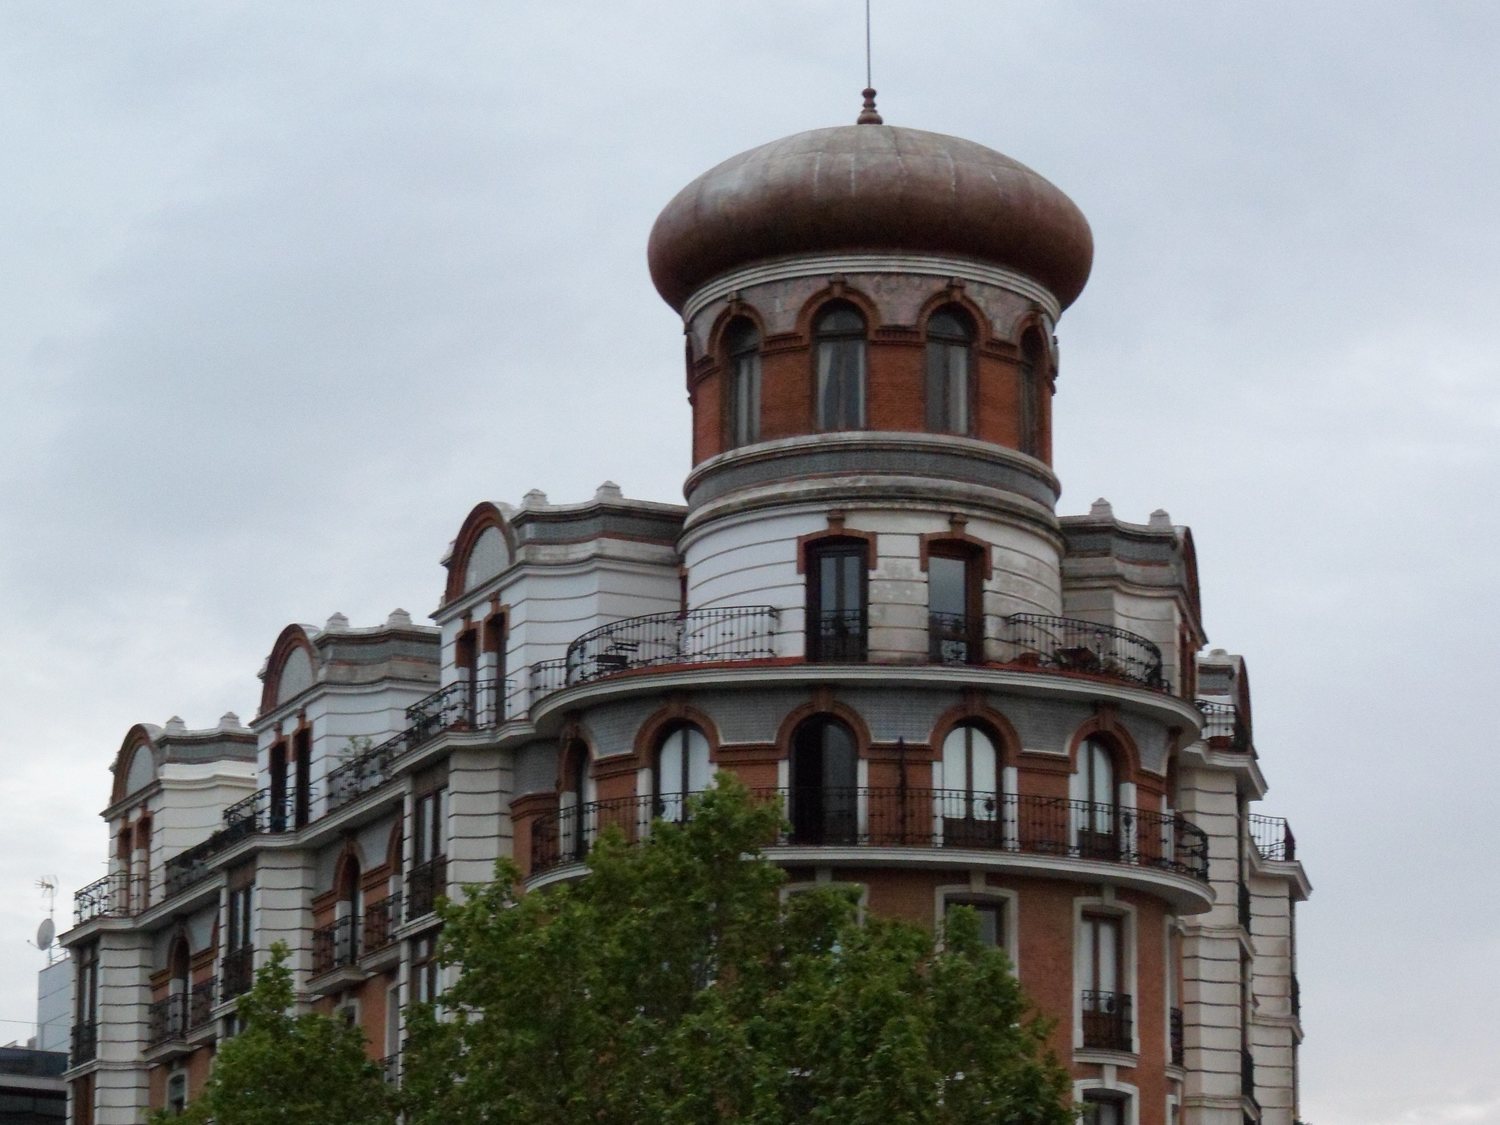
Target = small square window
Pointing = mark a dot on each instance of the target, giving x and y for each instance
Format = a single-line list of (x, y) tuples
[(991, 912)]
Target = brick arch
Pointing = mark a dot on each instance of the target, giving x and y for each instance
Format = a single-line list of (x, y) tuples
[(1106, 723), (674, 713), (291, 639), (954, 295), (823, 705), (480, 519), (829, 294), (737, 309), (973, 710)]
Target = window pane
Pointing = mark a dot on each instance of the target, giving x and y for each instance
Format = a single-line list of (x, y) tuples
[(982, 770), (669, 768), (698, 770), (946, 591)]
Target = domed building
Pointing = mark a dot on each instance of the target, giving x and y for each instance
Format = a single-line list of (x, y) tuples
[(868, 606)]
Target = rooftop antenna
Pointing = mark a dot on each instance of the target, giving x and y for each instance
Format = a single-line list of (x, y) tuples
[(47, 931), (868, 115)]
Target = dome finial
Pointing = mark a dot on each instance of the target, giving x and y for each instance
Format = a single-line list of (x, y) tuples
[(868, 115)]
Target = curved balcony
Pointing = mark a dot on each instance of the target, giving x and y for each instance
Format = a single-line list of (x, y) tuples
[(697, 636), (1064, 644), (897, 817), (1223, 727)]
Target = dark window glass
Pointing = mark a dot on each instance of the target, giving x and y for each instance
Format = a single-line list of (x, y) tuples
[(1033, 367), (991, 913), (840, 357), (954, 618), (824, 799), (836, 601), (950, 339), (743, 344)]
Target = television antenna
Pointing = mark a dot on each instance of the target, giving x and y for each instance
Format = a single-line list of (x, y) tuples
[(46, 933)]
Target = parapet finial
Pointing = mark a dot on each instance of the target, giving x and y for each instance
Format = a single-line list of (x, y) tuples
[(869, 115)]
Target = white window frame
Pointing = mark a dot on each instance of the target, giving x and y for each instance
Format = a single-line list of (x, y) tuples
[(976, 889), (1106, 903)]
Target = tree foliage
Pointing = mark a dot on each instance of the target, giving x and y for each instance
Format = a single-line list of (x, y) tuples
[(673, 985), (281, 1069)]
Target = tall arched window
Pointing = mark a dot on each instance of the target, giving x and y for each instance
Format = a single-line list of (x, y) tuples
[(824, 800), (839, 350), (742, 345), (682, 769), (1097, 812), (971, 794), (950, 342), (1032, 371)]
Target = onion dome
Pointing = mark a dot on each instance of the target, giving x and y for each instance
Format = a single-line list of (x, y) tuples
[(870, 187)]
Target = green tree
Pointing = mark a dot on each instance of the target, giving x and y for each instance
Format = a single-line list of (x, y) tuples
[(673, 985), (281, 1069)]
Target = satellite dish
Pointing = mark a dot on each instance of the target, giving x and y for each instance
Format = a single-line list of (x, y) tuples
[(45, 933)]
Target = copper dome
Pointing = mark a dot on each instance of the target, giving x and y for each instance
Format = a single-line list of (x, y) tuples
[(869, 188)]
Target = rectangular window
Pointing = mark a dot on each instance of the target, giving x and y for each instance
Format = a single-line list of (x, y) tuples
[(953, 609), (744, 399), (1103, 1108), (991, 912), (836, 602), (948, 387), (1105, 1007)]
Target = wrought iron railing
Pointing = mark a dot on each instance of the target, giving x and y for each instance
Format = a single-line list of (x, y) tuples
[(236, 972), (424, 883), (1175, 1037), (1273, 837), (266, 810), (1247, 1074), (390, 1069), (336, 945), (1068, 645), (953, 639), (837, 636), (1223, 728), (381, 920), (201, 999), (1107, 1023), (85, 1043), (546, 676), (1244, 907), (166, 1020), (696, 636), (114, 896), (903, 817)]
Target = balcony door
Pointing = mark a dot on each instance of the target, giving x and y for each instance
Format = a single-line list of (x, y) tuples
[(836, 600), (824, 799)]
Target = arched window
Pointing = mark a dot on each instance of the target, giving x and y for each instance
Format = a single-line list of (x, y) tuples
[(682, 769), (1098, 807), (839, 350), (1032, 371), (950, 342), (742, 345), (971, 795), (824, 800)]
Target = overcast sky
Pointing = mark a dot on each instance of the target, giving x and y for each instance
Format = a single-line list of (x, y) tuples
[(289, 287)]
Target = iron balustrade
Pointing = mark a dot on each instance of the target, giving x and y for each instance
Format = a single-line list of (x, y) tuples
[(266, 810), (898, 816), (381, 920), (1223, 728), (1068, 645), (85, 1043), (424, 883), (1175, 1037), (547, 676), (336, 946), (166, 1020), (953, 639), (236, 972), (201, 1000), (1107, 1022), (838, 636), (695, 636), (390, 1069), (114, 896), (1273, 837)]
